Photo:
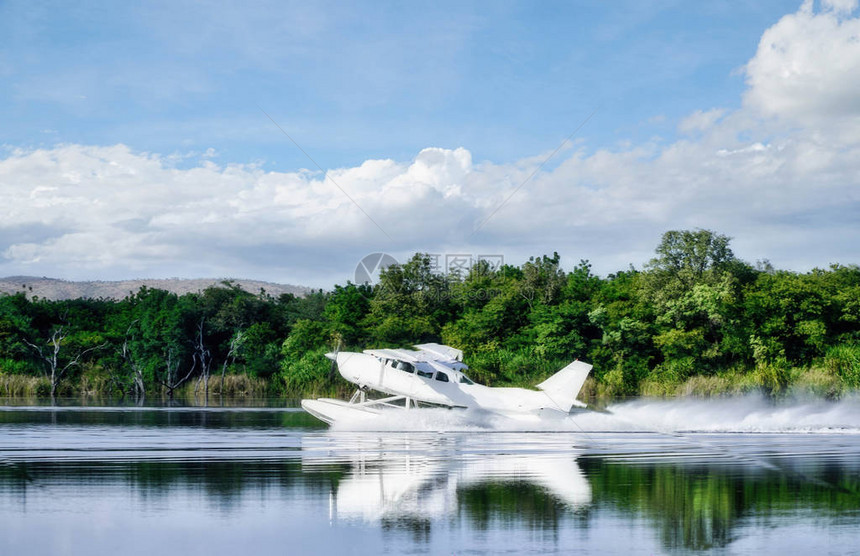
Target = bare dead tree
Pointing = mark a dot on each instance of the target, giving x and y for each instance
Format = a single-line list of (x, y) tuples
[(235, 344), (202, 353), (172, 373), (528, 293), (54, 370), (138, 386)]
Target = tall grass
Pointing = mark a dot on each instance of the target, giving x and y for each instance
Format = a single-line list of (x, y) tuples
[(96, 385), (774, 379), (844, 361), (238, 385), (22, 386), (819, 382), (235, 386)]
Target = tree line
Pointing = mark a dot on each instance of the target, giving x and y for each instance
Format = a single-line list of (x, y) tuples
[(695, 320)]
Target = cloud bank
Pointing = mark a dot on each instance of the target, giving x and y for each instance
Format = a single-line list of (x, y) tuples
[(781, 174)]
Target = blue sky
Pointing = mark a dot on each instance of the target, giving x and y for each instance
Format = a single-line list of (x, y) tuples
[(174, 92), (352, 81)]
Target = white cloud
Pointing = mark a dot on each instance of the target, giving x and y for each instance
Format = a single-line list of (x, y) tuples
[(700, 120), (840, 6), (807, 67), (108, 210)]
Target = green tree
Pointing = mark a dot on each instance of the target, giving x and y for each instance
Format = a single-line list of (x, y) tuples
[(625, 352), (688, 254), (346, 309), (15, 317), (543, 280), (410, 304)]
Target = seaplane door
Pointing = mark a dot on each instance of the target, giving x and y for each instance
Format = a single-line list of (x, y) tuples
[(443, 382), (440, 386), (400, 381)]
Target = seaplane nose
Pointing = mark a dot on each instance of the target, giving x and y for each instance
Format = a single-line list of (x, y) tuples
[(345, 356), (331, 355)]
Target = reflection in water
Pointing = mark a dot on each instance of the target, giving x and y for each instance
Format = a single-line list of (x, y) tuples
[(706, 506), (399, 477), (102, 482)]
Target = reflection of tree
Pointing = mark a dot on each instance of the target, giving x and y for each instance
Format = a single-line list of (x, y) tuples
[(187, 418), (510, 503), (692, 508), (417, 526), (697, 507), (223, 483)]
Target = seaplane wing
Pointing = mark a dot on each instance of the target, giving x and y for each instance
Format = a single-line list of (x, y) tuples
[(444, 353), (434, 375)]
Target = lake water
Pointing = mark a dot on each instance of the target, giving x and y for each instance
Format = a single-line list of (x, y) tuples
[(736, 476)]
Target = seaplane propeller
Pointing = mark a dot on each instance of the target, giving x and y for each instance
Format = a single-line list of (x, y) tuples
[(332, 372)]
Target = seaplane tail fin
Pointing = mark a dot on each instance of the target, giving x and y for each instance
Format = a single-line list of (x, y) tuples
[(563, 387)]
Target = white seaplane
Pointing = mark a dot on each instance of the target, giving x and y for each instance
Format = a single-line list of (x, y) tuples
[(433, 376)]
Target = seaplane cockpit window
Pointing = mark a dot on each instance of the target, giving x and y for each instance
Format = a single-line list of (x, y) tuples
[(441, 377), (425, 374), (465, 380), (404, 366)]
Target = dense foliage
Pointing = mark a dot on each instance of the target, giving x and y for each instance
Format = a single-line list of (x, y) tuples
[(695, 320)]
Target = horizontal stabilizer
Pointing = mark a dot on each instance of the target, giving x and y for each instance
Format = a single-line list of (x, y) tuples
[(563, 387)]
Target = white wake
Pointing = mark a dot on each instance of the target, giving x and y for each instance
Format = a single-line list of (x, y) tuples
[(744, 414)]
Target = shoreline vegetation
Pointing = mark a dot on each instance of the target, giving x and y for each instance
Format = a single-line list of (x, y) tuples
[(696, 321)]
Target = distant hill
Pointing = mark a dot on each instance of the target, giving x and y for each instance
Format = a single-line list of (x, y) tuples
[(52, 288)]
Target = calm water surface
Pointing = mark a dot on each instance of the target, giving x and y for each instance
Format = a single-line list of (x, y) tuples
[(274, 481)]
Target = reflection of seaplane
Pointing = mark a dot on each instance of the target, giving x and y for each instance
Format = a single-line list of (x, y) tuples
[(396, 477), (434, 376), (402, 486)]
